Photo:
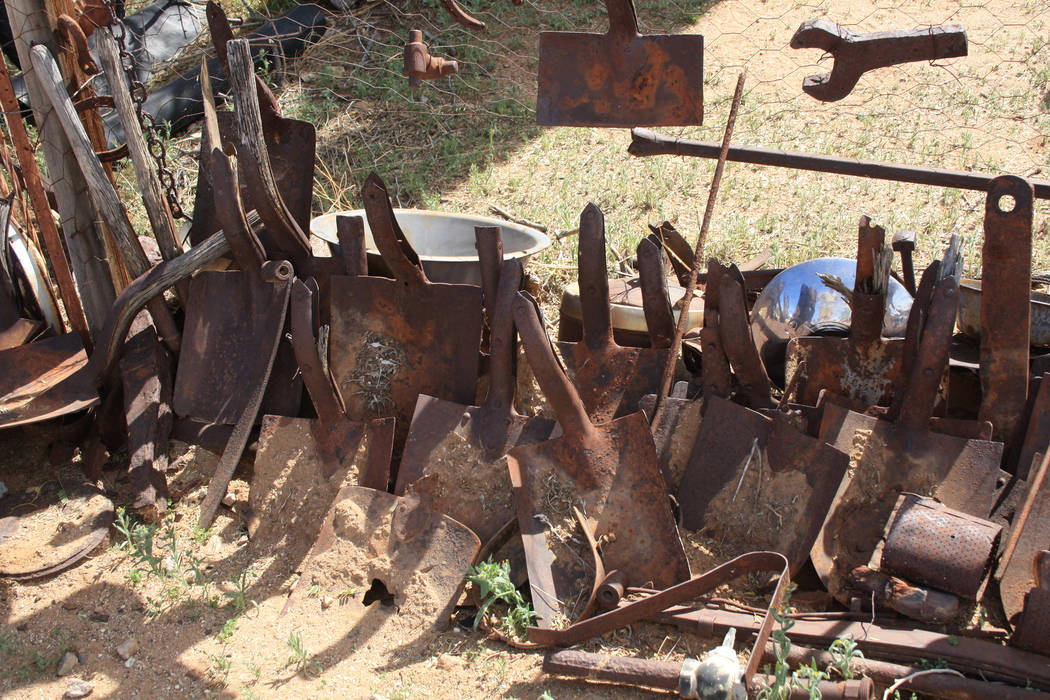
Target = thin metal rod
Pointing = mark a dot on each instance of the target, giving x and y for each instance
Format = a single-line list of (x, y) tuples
[(698, 259)]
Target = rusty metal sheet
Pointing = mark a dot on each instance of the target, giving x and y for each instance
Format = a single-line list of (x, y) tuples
[(738, 341), (1037, 433), (44, 380), (46, 531), (889, 458), (419, 555), (757, 483), (1028, 536), (463, 447), (621, 78), (609, 473), (1005, 311), (676, 432), (394, 339), (19, 333), (933, 545), (856, 54), (611, 379)]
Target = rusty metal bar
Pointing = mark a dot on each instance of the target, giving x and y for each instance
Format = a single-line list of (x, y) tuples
[(966, 654), (667, 676), (649, 143)]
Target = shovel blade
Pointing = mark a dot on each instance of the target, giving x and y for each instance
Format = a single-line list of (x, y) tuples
[(767, 489), (448, 441), (390, 343), (228, 319), (887, 459), (595, 80)]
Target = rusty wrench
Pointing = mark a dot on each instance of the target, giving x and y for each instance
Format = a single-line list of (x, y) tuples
[(856, 54)]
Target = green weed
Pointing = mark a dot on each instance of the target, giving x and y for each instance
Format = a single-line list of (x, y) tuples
[(494, 585), (300, 656)]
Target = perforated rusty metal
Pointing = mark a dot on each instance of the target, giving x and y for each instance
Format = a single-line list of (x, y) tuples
[(933, 545)]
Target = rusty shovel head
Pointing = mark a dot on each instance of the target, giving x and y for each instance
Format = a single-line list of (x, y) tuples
[(463, 447), (889, 458), (757, 483), (620, 79), (230, 315), (420, 555), (611, 379), (394, 339), (607, 472), (302, 463), (44, 380)]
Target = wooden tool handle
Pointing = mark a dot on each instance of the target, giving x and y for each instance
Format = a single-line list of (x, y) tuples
[(488, 240), (870, 239), (350, 231), (656, 305), (932, 359), (322, 392), (593, 279), (397, 252), (501, 337), (556, 387)]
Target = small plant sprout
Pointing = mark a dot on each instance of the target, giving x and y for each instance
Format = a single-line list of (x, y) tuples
[(239, 596), (300, 656), (494, 585)]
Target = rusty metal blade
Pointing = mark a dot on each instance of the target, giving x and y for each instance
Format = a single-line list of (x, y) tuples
[(611, 379), (44, 380), (620, 79), (1017, 572), (755, 482), (1005, 307)]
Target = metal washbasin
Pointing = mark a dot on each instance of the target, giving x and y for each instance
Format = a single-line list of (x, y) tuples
[(444, 242), (970, 313)]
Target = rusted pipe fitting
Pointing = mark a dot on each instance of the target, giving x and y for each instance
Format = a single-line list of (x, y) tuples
[(420, 65), (911, 601), (611, 590)]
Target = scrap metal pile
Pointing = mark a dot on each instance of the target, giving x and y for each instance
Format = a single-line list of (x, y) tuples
[(824, 423)]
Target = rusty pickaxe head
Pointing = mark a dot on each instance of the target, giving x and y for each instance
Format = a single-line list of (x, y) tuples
[(420, 65), (856, 54)]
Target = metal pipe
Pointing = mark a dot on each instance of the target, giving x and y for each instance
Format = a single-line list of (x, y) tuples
[(667, 676), (649, 143)]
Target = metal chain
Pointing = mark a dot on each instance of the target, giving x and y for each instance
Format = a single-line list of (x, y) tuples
[(147, 122)]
